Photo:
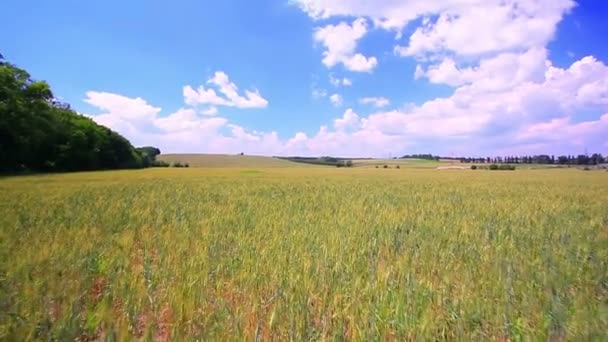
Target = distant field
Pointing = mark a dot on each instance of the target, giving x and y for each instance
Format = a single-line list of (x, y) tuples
[(237, 161), (225, 160), (410, 163), (304, 253)]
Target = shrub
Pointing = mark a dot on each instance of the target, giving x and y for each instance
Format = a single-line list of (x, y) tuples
[(586, 168), (186, 165), (159, 163), (473, 167), (376, 166), (398, 167), (501, 167), (177, 164), (385, 166)]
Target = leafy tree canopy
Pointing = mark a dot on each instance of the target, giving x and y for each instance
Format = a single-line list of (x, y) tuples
[(37, 133)]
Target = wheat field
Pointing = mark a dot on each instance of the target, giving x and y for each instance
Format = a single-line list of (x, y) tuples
[(228, 161), (304, 254)]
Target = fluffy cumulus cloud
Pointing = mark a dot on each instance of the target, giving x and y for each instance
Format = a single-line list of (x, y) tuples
[(535, 109), (336, 81), (132, 109), (228, 94), (182, 131), (463, 27), (505, 25), (318, 93), (492, 109), (340, 42), (378, 102), (187, 130), (336, 100), (507, 96), (210, 111), (496, 73), (350, 120)]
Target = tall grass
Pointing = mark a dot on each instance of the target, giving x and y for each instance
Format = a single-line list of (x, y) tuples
[(304, 254)]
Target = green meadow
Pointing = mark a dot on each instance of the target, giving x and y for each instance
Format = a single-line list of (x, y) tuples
[(305, 253)]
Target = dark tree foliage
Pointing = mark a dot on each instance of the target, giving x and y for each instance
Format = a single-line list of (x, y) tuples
[(329, 161), (420, 156), (148, 155), (38, 133), (581, 159)]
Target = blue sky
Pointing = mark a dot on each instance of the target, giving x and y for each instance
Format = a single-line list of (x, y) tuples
[(334, 77)]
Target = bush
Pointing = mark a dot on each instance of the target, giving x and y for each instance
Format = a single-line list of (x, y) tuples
[(159, 163), (398, 167), (473, 167), (501, 167), (177, 164), (186, 165), (385, 166), (586, 168), (376, 166)]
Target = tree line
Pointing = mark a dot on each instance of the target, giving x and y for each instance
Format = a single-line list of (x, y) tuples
[(581, 159), (426, 156), (40, 134), (325, 160)]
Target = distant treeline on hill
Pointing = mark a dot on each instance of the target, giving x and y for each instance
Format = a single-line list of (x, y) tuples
[(40, 134), (420, 156), (329, 161), (581, 159)]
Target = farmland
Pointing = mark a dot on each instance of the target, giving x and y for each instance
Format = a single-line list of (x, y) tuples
[(225, 160), (305, 253)]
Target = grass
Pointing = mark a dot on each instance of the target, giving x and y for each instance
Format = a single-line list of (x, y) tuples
[(305, 253), (226, 160)]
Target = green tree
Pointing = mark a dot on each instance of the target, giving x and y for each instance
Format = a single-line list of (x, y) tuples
[(37, 133)]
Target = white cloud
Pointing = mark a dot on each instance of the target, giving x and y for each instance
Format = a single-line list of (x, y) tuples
[(134, 109), (378, 102), (340, 42), (530, 115), (520, 106), (564, 129), (419, 72), (318, 93), (461, 27), (495, 73), (210, 111), (300, 137), (489, 27), (186, 120), (336, 100), (336, 82), (231, 98), (350, 120), (509, 103)]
